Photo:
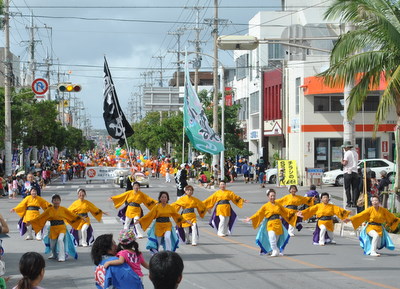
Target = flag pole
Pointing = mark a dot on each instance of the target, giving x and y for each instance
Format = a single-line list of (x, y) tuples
[(119, 113)]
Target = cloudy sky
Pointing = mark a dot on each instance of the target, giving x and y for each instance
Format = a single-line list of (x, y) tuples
[(77, 35)]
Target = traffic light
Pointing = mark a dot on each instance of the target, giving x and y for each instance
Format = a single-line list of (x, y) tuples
[(68, 87)]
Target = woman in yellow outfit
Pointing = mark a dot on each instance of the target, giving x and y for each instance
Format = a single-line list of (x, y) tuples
[(324, 211), (292, 202), (57, 237), (223, 215), (28, 209), (133, 199), (272, 235), (161, 232), (188, 203), (81, 207), (374, 236)]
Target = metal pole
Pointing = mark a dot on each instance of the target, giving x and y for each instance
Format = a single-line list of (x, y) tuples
[(215, 77), (183, 144), (7, 93), (222, 87)]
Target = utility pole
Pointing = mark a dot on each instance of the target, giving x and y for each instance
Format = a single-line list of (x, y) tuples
[(178, 33), (215, 77), (161, 68), (7, 93), (197, 43)]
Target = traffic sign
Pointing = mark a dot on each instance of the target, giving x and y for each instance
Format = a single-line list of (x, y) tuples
[(40, 86)]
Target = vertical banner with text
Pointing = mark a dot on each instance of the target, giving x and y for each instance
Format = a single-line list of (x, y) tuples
[(287, 173)]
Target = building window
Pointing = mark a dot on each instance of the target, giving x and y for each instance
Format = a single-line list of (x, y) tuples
[(298, 83), (254, 102), (371, 103), (242, 66), (244, 109), (332, 103), (275, 51)]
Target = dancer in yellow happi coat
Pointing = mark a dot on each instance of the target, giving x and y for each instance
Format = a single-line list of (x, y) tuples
[(28, 209), (84, 235), (133, 199), (58, 236), (272, 235), (223, 215), (325, 212), (292, 202), (188, 203), (161, 232), (374, 236)]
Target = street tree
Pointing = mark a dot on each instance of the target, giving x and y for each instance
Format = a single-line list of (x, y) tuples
[(368, 54)]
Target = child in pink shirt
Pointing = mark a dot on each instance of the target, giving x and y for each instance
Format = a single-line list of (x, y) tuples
[(128, 252)]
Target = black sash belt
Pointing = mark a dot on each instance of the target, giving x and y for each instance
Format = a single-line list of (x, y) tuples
[(373, 223), (225, 202), (33, 208), (273, 217), (162, 220), (293, 207), (133, 204), (56, 222), (326, 218), (84, 215), (188, 210)]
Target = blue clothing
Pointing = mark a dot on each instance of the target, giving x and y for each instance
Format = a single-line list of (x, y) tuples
[(69, 245), (121, 276), (262, 239), (28, 185), (365, 241), (152, 243)]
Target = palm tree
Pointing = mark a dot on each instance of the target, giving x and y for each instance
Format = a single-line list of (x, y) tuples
[(368, 54)]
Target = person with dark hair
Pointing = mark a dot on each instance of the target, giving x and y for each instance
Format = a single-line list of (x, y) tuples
[(132, 210), (30, 183), (188, 203), (324, 211), (31, 266), (128, 252), (223, 216), (81, 207), (161, 233), (165, 270), (272, 235), (119, 276), (373, 236), (292, 202), (57, 236), (350, 175), (28, 209)]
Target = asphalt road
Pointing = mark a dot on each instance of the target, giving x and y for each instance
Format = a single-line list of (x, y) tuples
[(230, 262)]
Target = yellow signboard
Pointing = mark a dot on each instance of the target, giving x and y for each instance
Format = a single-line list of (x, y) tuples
[(287, 173)]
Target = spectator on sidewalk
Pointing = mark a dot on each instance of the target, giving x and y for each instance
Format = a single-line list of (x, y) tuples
[(31, 266)]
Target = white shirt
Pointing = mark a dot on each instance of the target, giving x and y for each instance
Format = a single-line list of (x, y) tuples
[(351, 157)]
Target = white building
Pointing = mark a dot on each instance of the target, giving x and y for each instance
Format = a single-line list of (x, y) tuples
[(298, 118)]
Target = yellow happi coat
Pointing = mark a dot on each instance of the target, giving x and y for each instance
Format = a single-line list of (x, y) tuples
[(160, 211), (29, 201), (133, 197), (290, 200), (61, 213), (188, 202), (85, 207), (381, 216), (269, 209), (220, 195), (328, 210)]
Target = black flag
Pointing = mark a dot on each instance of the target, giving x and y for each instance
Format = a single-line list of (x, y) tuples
[(117, 125)]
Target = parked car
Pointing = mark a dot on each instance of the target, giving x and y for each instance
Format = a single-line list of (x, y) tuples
[(142, 179), (270, 175), (335, 177)]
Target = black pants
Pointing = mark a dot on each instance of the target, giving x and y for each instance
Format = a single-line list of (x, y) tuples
[(351, 182)]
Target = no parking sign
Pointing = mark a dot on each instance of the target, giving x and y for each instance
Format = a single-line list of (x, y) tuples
[(40, 86)]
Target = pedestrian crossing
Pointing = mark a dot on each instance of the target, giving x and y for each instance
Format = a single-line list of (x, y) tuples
[(88, 186)]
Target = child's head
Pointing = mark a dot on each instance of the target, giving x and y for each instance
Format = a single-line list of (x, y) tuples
[(31, 266), (313, 187), (127, 240)]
